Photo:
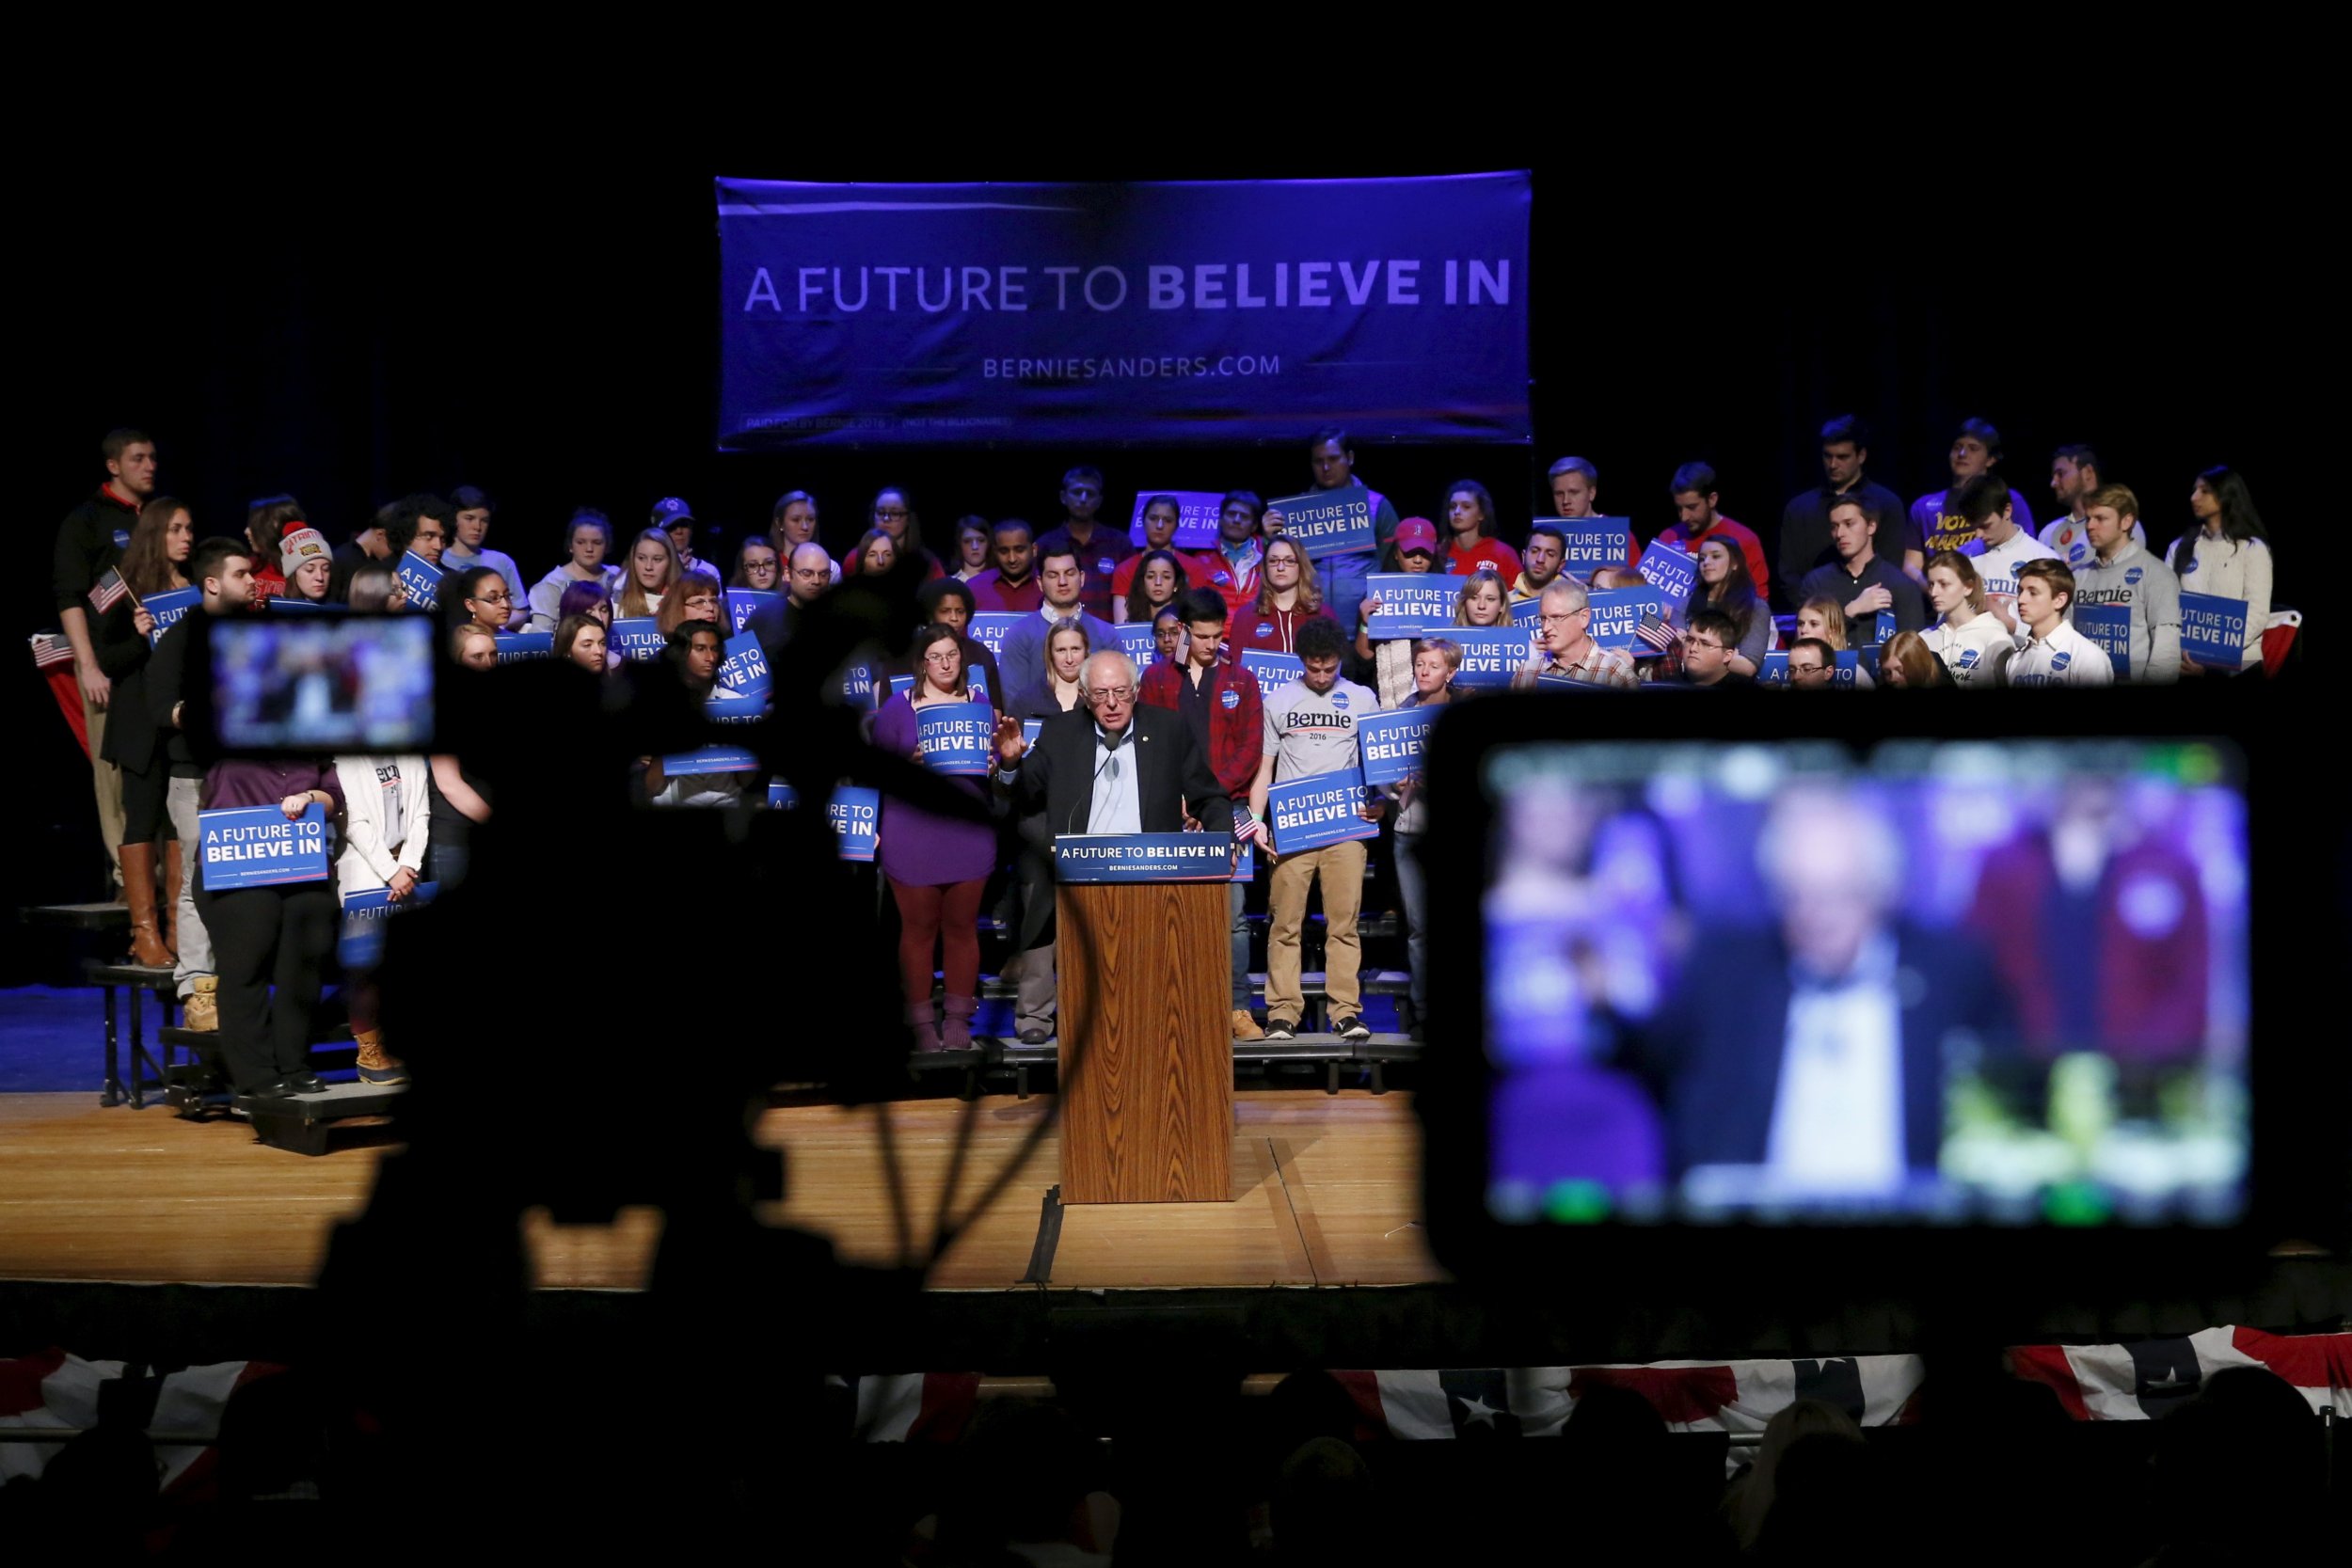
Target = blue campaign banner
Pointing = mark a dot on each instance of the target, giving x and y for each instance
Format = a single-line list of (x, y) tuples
[(957, 738), (1136, 642), (1076, 314), (1246, 868), (637, 636), (1030, 729), (744, 603), (857, 818), (781, 797), (1490, 656), (515, 645), (1671, 572), (1327, 522), (2110, 626), (1593, 543), (1843, 667), (726, 707), (744, 667), (1882, 627), (168, 608), (1391, 743), (1197, 513), (1528, 614), (1143, 858), (360, 945), (1617, 611), (1412, 604), (258, 846), (2213, 629), (1775, 670), (991, 629), (1273, 671), (420, 580), (710, 759), (1310, 812), (1866, 661), (288, 604), (901, 684)]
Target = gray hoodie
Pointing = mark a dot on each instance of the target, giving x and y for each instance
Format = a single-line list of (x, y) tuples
[(2147, 585)]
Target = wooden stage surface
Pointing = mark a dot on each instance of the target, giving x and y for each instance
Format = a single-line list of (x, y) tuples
[(1327, 1191)]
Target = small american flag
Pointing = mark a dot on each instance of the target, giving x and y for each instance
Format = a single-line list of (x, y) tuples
[(110, 591), (1655, 631), (51, 649)]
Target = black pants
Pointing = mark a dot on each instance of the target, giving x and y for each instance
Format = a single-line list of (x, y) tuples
[(144, 818), (264, 937)]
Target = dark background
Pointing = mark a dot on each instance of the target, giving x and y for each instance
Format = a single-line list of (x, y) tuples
[(516, 291)]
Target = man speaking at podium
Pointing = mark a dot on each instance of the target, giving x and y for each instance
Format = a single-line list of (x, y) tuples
[(1106, 767)]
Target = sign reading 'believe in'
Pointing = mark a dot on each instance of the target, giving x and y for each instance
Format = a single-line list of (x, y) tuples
[(1057, 313)]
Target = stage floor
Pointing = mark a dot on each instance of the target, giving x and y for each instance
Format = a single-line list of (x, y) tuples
[(1325, 1193)]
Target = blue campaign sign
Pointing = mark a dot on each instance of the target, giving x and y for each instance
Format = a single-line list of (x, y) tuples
[(1327, 522), (710, 759), (957, 738), (1391, 743), (2213, 629), (2110, 626), (1527, 614), (780, 796), (1196, 517), (288, 604), (991, 629), (168, 608), (1412, 604), (1324, 808), (726, 707), (1273, 671), (1866, 661), (1246, 868), (637, 636), (1617, 611), (1774, 670), (1671, 572), (744, 670), (1136, 642), (360, 945), (1882, 627), (857, 818), (1143, 858), (1196, 312), (515, 645), (1843, 666), (1593, 541), (1490, 656), (744, 603), (420, 580), (258, 846), (1030, 729)]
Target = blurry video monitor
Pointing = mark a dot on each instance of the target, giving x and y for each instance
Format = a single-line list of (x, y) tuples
[(1936, 983), (327, 683)]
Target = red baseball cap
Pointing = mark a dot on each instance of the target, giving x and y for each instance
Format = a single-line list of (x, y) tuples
[(1416, 533)]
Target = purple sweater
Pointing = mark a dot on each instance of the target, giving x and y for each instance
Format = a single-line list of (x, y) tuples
[(265, 783)]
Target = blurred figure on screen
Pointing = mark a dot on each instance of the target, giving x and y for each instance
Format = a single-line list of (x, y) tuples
[(1817, 1047)]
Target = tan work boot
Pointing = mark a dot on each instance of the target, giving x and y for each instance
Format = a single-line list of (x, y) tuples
[(1245, 1026), (202, 1009), (375, 1067)]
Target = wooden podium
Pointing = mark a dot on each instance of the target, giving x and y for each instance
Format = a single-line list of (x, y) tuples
[(1146, 1031)]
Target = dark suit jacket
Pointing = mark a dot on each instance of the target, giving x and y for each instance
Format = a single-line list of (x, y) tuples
[(1717, 1051), (1057, 776)]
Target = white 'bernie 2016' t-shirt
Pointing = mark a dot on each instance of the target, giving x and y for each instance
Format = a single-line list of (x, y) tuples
[(1311, 732)]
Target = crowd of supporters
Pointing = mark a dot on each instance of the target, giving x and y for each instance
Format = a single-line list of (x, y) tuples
[(1958, 588)]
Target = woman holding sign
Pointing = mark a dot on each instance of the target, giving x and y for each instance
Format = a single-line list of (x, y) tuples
[(271, 941), (937, 866), (756, 566), (647, 578), (1387, 666), (1435, 659), (386, 831), (1287, 599), (2227, 555), (1482, 601), (1724, 585), (124, 637), (1971, 642)]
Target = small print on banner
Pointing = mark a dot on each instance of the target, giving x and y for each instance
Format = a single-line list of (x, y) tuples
[(420, 580), (1490, 656), (1412, 604), (2213, 631), (1327, 522), (1196, 517), (638, 637), (744, 603), (1391, 743), (1273, 671), (744, 670), (261, 847), (517, 645), (1671, 572), (2110, 626), (1323, 809), (710, 759), (957, 738), (167, 609)]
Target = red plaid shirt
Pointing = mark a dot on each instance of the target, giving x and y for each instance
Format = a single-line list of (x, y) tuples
[(1228, 700)]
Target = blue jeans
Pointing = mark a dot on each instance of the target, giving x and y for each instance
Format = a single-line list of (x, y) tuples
[(1413, 886)]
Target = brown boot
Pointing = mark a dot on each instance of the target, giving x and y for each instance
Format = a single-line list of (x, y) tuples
[(168, 912), (201, 1012), (139, 891), (375, 1067)]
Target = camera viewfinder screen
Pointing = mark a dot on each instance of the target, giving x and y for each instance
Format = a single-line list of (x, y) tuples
[(359, 684), (1935, 983)]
